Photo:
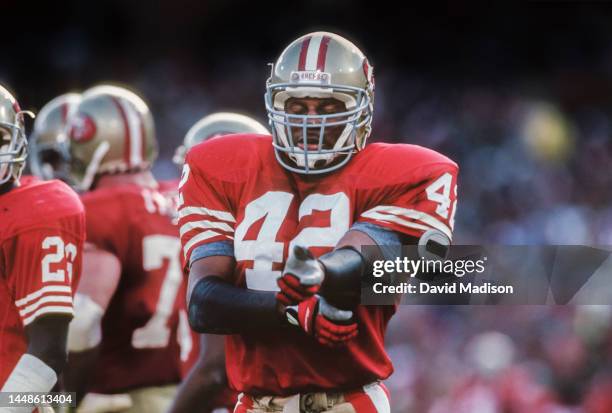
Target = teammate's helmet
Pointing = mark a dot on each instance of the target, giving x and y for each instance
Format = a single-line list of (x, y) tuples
[(49, 154), (111, 131), (217, 124), (13, 141), (320, 65)]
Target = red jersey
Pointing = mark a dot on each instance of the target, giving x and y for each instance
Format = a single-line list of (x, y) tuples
[(169, 189), (168, 186), (190, 352), (141, 338), (233, 189), (41, 250)]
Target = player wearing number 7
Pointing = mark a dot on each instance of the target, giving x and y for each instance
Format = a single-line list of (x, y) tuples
[(250, 203), (42, 230), (125, 341)]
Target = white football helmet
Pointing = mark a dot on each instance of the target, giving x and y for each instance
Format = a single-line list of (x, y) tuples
[(49, 156), (111, 131), (13, 141), (217, 124), (320, 65)]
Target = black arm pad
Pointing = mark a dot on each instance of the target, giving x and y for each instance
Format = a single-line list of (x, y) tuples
[(344, 269), (217, 307)]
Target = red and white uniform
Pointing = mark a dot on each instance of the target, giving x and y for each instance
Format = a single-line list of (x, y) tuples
[(141, 338), (42, 232), (169, 189), (233, 189)]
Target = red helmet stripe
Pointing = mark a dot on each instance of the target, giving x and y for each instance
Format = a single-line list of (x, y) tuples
[(64, 109), (303, 53), (322, 53), (367, 70), (126, 129)]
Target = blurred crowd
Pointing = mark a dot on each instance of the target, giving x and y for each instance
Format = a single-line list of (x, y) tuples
[(510, 359)]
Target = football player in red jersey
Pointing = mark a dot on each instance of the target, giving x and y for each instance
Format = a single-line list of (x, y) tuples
[(205, 389), (297, 337), (41, 241), (126, 337)]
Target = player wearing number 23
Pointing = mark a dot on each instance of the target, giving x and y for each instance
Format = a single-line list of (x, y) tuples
[(271, 228), (42, 230), (127, 336)]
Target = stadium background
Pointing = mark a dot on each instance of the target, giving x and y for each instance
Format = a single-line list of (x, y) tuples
[(518, 96)]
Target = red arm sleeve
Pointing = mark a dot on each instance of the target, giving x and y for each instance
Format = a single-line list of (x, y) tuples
[(205, 213)]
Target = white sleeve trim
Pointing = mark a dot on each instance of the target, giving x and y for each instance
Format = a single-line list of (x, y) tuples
[(204, 224), (400, 215), (192, 210), (43, 290), (52, 309), (46, 299)]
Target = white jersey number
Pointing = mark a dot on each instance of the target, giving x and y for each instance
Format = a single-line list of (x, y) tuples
[(269, 211), (439, 192), (62, 251), (156, 249)]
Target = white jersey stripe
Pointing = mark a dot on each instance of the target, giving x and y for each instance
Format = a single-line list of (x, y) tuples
[(43, 300), (135, 127), (44, 290), (313, 52), (203, 236), (191, 210), (393, 218), (204, 224), (378, 396), (50, 309), (412, 214)]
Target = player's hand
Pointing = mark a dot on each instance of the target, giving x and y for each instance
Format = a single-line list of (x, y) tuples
[(302, 277), (329, 325)]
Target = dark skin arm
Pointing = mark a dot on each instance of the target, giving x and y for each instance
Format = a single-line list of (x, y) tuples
[(47, 340), (216, 306), (205, 381)]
